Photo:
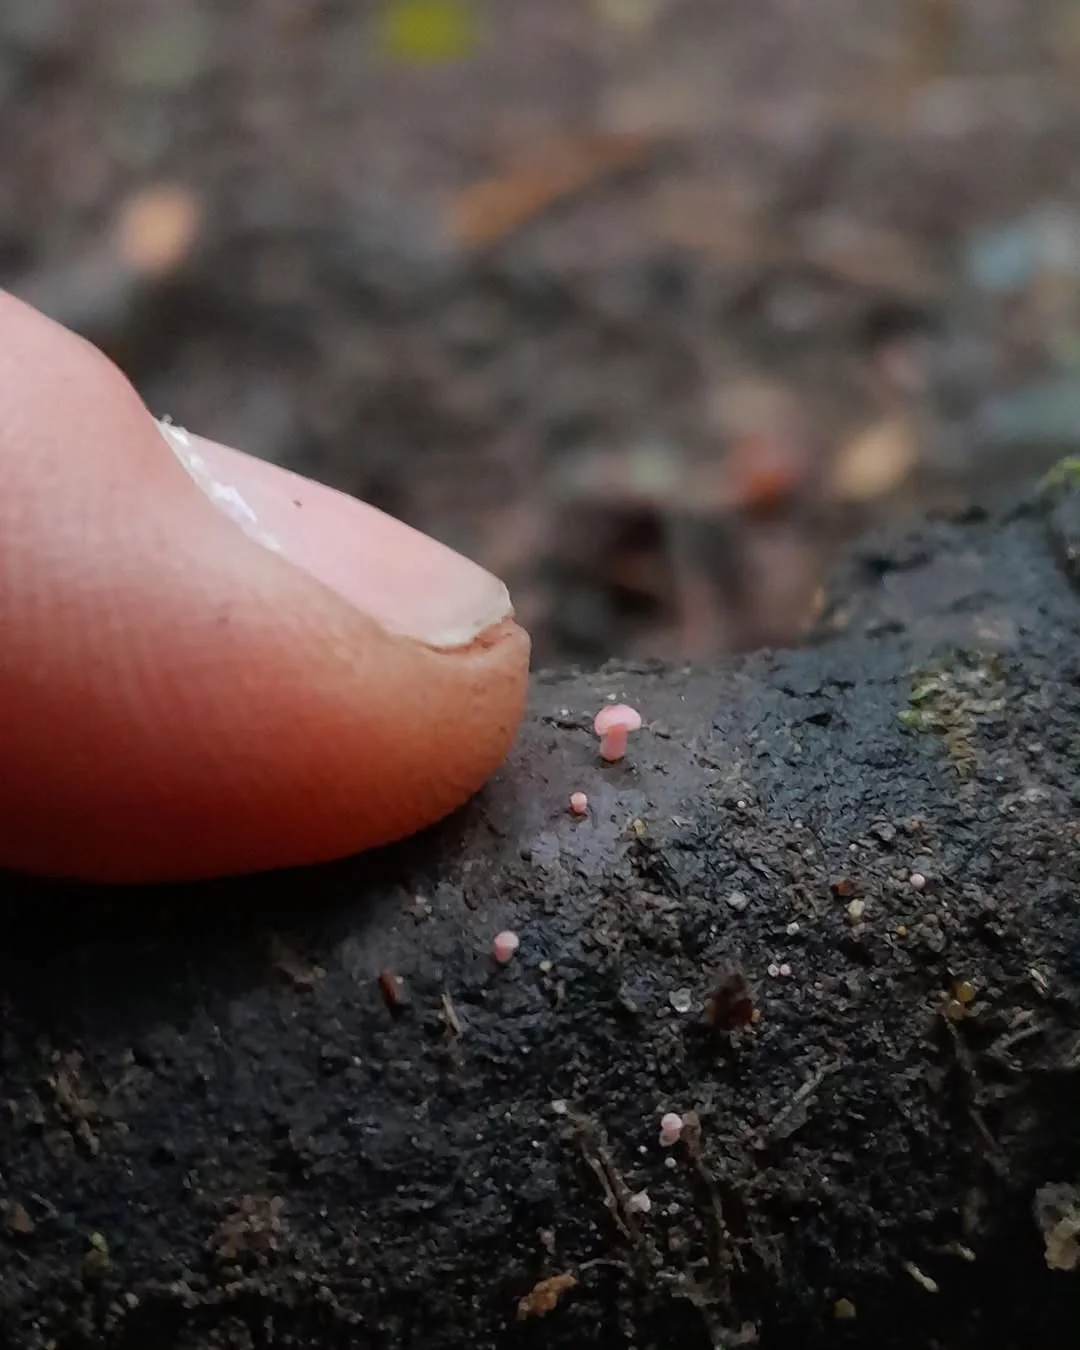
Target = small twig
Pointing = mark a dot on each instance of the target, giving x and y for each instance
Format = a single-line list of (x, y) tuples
[(775, 1131), (994, 1156), (611, 1200), (965, 1064), (453, 1022), (616, 1192), (1008, 1040)]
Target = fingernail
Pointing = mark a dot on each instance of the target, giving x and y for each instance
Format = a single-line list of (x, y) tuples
[(409, 583)]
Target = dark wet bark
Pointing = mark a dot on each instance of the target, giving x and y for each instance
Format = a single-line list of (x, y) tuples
[(218, 1127)]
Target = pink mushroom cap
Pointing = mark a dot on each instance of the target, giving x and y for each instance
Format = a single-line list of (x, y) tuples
[(671, 1127), (504, 946), (613, 725), (617, 716)]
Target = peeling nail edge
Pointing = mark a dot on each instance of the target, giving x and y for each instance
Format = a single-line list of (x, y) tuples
[(225, 496)]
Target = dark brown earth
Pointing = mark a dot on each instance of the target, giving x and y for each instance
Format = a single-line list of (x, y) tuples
[(220, 1128)]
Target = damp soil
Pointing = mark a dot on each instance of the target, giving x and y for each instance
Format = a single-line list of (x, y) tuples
[(310, 1110)]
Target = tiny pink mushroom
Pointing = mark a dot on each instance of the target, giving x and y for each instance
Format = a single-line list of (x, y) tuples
[(613, 725), (579, 804), (504, 946), (671, 1127)]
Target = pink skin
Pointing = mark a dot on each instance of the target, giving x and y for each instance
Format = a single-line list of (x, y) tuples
[(504, 946), (613, 725), (579, 803)]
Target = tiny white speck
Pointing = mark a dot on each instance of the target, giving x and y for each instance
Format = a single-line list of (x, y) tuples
[(680, 1000)]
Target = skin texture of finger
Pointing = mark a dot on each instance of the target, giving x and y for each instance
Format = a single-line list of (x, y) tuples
[(180, 700)]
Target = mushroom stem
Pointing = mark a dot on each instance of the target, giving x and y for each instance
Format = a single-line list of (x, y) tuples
[(613, 744)]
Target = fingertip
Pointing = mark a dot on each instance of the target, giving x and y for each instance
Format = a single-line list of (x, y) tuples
[(186, 697)]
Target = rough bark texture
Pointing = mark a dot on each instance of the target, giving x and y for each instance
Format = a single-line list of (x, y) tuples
[(218, 1128)]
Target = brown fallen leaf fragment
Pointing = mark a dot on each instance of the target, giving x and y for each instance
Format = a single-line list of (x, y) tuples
[(711, 218), (292, 967), (150, 238), (157, 228), (729, 1004), (1057, 1212), (487, 212), (869, 257), (544, 1297), (875, 462)]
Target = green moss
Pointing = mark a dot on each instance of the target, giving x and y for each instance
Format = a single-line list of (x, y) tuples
[(948, 701), (1064, 475)]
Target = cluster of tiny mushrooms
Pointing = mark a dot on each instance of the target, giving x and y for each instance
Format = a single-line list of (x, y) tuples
[(613, 726)]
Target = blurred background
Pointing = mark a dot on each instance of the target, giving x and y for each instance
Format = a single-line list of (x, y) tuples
[(649, 305)]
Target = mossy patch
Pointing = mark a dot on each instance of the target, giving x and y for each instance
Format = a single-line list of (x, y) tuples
[(1063, 477), (949, 700)]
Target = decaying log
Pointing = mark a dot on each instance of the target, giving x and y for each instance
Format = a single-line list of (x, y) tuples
[(826, 910)]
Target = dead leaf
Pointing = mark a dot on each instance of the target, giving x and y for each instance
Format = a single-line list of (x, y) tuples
[(875, 462), (544, 1297), (729, 1004), (767, 457), (157, 228), (716, 220), (292, 967), (487, 212), (766, 474), (1057, 1212), (870, 257)]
